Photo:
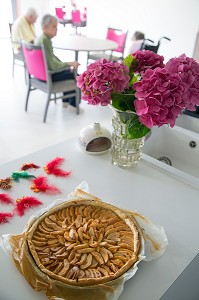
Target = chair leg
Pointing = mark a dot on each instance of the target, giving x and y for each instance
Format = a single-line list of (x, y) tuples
[(55, 98), (77, 100), (87, 58), (46, 109), (111, 55), (26, 75), (27, 98)]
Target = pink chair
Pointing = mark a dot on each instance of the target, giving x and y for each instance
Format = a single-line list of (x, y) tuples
[(76, 16), (39, 77), (117, 35), (59, 12), (77, 21), (61, 15)]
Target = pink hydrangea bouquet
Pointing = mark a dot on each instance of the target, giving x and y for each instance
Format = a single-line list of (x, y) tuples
[(157, 93)]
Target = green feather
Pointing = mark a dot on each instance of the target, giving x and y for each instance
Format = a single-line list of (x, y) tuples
[(17, 175)]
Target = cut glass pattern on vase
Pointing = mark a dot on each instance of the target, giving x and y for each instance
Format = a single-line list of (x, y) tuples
[(125, 151)]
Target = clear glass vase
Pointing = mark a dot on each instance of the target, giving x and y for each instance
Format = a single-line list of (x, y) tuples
[(125, 151)]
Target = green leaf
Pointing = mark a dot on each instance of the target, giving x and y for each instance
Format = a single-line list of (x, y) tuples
[(123, 102), (134, 78), (128, 60), (131, 63), (136, 129)]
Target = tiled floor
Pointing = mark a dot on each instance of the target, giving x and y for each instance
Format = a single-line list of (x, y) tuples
[(24, 132)]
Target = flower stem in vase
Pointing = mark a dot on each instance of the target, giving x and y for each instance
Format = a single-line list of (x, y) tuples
[(126, 151)]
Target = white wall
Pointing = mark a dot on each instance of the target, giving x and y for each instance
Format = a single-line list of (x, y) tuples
[(177, 19), (5, 18)]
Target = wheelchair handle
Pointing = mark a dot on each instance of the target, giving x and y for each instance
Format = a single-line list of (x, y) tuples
[(164, 37), (149, 40)]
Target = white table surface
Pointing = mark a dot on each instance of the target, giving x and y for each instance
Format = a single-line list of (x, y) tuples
[(164, 199), (82, 43)]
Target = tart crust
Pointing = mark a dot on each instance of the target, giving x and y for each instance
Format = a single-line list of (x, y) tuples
[(84, 242)]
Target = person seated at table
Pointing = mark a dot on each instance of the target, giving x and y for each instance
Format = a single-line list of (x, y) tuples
[(23, 28), (137, 40), (49, 25)]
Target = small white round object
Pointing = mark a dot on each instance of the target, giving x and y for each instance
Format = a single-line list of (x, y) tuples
[(95, 139)]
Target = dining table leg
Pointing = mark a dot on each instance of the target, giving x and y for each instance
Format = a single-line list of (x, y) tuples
[(76, 55), (76, 74), (76, 59)]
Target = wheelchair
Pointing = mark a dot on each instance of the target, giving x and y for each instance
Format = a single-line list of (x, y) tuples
[(149, 44)]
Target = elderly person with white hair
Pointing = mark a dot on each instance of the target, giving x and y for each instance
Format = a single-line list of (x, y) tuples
[(63, 70), (23, 27)]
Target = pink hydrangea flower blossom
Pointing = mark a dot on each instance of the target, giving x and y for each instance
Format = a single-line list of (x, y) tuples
[(101, 79), (157, 92), (159, 97), (188, 69), (147, 60)]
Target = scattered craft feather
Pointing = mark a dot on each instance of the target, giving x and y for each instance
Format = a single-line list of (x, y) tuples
[(25, 203), (5, 217), (53, 167), (5, 184), (5, 199), (17, 175), (40, 184), (29, 166)]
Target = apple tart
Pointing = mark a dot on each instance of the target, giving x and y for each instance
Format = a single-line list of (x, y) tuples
[(84, 242)]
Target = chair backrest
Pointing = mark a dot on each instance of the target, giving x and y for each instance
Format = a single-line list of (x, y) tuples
[(59, 12), (35, 61), (118, 36), (75, 14), (16, 47)]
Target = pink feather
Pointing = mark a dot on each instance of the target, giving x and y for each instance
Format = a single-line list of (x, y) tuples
[(53, 167), (40, 184), (25, 203), (4, 217), (5, 199)]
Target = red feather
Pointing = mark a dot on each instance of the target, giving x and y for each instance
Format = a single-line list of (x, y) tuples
[(40, 185), (26, 203), (29, 166), (5, 199), (53, 167), (4, 217)]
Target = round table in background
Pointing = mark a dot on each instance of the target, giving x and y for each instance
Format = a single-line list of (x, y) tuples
[(78, 43)]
